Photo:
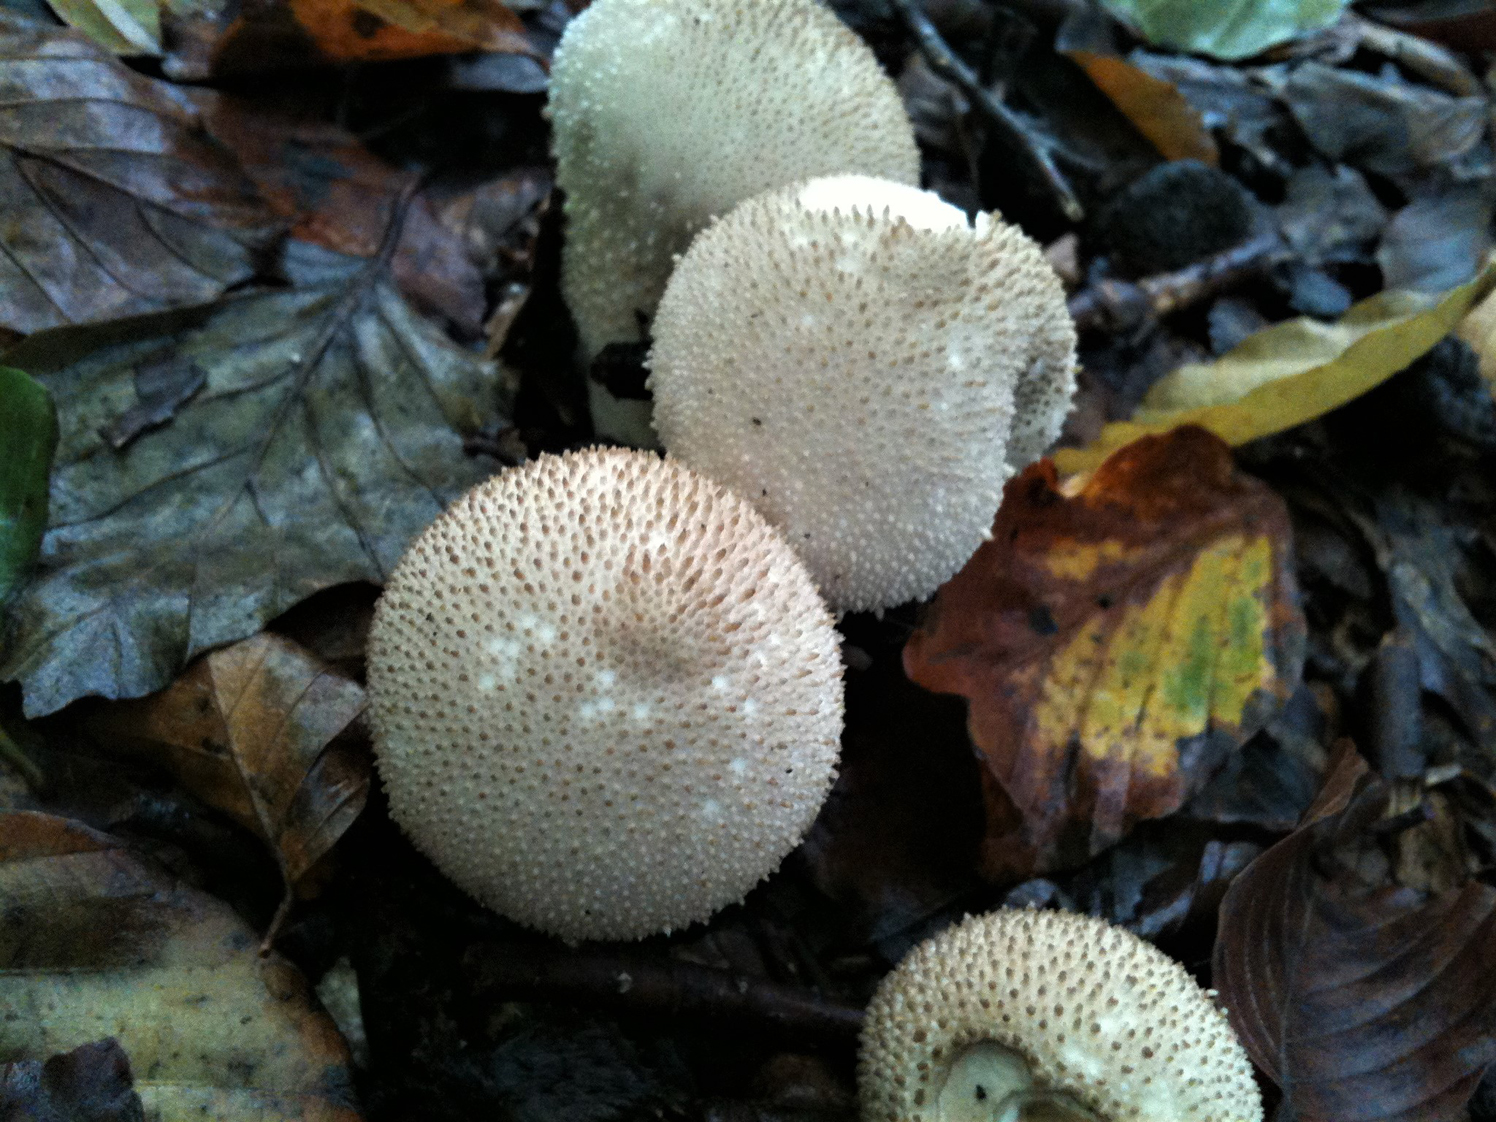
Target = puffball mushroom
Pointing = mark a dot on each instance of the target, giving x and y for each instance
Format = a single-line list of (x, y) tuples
[(868, 368), (606, 698), (1049, 1011), (667, 112)]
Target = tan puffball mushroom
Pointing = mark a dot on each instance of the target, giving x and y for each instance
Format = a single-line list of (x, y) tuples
[(605, 695), (667, 112), (868, 369), (1062, 1014)]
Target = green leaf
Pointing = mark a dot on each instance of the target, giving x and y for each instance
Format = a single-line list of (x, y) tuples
[(122, 27), (1226, 29), (28, 434), (1291, 372), (210, 478)]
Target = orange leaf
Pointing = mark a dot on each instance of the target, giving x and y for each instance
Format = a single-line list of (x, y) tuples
[(373, 30), (1154, 106), (257, 731), (1114, 646)]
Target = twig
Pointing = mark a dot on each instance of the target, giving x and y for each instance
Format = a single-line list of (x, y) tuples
[(13, 754), (946, 63), (1117, 305), (658, 986)]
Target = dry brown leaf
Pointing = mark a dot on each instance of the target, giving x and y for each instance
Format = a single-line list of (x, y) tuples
[(1365, 1001), (1155, 107), (1114, 645), (259, 730), (95, 942)]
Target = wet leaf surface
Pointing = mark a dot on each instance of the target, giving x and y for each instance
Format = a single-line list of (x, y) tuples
[(28, 433), (1115, 645), (95, 942), (1362, 998), (327, 433), (92, 1083), (261, 731), (116, 202)]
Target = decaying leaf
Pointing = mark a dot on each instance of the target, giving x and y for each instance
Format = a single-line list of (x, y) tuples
[(327, 434), (1363, 1000), (116, 203), (1114, 645), (1230, 31), (28, 434), (1153, 105), (1291, 372), (122, 27), (94, 943), (258, 730), (91, 1083), (337, 194)]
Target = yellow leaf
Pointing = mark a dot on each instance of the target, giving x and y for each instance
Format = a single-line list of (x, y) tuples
[(124, 27), (1291, 372)]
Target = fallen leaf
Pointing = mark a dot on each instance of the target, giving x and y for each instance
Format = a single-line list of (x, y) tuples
[(1153, 105), (92, 1083), (212, 39), (1377, 122), (28, 433), (1478, 328), (1439, 241), (116, 202), (1115, 645), (337, 194), (1291, 372), (1362, 1000), (93, 941), (259, 731), (1228, 31), (329, 431), (121, 27)]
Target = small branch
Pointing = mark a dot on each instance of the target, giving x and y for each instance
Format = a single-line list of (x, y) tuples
[(1116, 305), (946, 63), (657, 986)]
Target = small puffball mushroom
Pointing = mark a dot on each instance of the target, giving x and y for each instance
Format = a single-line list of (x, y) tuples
[(1059, 1014), (606, 698), (868, 369), (667, 112)]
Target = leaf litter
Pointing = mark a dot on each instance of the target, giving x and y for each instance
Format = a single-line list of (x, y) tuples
[(363, 320)]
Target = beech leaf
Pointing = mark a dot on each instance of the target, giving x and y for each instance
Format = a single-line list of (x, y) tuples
[(1229, 29), (1114, 645), (326, 433), (257, 730), (93, 938), (1363, 1002), (1291, 372), (116, 201)]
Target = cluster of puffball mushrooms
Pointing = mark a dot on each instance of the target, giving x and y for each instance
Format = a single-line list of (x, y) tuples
[(606, 687)]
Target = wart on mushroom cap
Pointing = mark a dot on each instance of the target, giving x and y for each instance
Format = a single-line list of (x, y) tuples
[(1059, 1014), (606, 698), (868, 369), (667, 112)]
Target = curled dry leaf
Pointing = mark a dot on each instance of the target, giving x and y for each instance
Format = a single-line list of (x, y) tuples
[(1114, 645), (95, 942), (116, 202), (327, 432), (1362, 1001), (92, 1083), (1291, 372), (259, 730)]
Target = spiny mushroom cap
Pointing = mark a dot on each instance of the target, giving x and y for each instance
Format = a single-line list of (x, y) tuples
[(1090, 1009), (868, 369), (667, 112), (606, 698)]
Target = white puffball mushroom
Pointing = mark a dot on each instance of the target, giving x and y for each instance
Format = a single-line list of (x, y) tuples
[(1059, 1014), (606, 698), (668, 112), (868, 369)]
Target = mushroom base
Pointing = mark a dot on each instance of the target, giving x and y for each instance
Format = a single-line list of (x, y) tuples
[(990, 1083)]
